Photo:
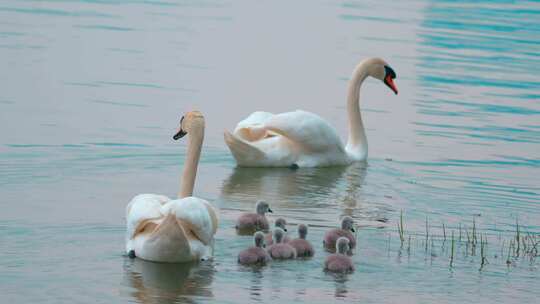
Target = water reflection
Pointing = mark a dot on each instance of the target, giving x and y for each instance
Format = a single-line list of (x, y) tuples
[(316, 196), (168, 283), (354, 178), (340, 285), (256, 285), (250, 183), (338, 188)]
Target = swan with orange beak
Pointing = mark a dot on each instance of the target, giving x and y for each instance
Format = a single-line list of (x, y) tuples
[(303, 139)]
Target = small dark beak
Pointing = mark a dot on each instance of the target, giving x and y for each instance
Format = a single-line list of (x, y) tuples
[(270, 210), (390, 83), (179, 135), (352, 230)]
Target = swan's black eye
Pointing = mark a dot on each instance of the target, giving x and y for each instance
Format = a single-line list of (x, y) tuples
[(389, 72)]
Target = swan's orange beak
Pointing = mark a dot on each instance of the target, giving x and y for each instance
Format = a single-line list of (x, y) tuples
[(390, 83)]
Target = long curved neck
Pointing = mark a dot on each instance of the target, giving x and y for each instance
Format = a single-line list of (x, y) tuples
[(357, 146), (196, 136)]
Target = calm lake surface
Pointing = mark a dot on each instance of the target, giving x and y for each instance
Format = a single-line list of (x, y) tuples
[(93, 90)]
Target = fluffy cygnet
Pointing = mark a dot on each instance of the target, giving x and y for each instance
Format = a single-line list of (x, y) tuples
[(301, 245), (255, 255), (340, 262), (346, 230), (279, 223), (249, 223), (280, 250)]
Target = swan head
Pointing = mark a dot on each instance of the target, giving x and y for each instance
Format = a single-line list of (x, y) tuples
[(380, 69), (281, 223), (302, 231), (347, 223), (278, 235), (342, 245), (262, 207), (189, 122), (259, 239)]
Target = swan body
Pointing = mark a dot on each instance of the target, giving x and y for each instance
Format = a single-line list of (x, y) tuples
[(165, 230), (174, 230), (304, 139)]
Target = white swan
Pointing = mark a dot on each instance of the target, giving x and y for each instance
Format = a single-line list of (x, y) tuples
[(181, 230), (302, 138)]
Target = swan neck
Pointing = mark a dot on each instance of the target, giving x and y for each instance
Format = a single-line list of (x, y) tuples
[(357, 142), (196, 136)]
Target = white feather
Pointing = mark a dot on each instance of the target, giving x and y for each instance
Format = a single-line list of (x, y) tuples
[(155, 208), (303, 138), (299, 137)]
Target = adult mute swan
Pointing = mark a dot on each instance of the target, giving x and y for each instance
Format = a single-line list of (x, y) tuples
[(181, 230), (304, 139)]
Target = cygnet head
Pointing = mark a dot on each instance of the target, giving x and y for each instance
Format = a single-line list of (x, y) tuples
[(259, 239), (347, 223), (342, 245), (302, 231), (262, 207), (190, 122), (380, 69), (278, 235), (281, 223)]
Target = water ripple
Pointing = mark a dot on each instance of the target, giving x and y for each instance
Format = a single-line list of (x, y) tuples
[(57, 12)]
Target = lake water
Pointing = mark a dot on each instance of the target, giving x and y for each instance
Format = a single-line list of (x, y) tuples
[(92, 92)]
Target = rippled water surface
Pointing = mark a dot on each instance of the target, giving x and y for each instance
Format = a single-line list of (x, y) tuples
[(92, 91)]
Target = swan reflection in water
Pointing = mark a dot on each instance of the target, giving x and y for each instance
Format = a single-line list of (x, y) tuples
[(166, 282), (297, 190), (256, 289), (340, 282)]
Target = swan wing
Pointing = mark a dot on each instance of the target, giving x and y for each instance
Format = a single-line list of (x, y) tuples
[(306, 129), (143, 207), (252, 128), (199, 215), (254, 119)]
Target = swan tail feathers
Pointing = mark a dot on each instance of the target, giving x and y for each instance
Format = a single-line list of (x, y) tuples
[(168, 242), (242, 151)]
